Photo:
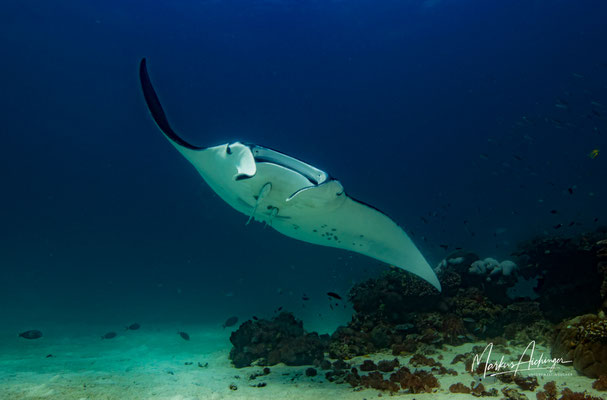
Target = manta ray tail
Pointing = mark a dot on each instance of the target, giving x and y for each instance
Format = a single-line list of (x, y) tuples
[(151, 99)]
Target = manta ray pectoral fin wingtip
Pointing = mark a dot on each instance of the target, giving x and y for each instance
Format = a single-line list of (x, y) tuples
[(431, 278), (417, 264)]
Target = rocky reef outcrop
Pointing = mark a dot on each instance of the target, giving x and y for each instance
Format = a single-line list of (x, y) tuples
[(269, 342), (386, 319)]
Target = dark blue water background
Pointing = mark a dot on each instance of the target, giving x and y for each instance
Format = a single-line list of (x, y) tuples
[(444, 110)]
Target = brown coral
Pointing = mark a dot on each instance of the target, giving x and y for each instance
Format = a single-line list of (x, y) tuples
[(388, 366), (417, 382), (368, 365), (600, 383), (550, 389), (453, 329), (376, 380), (459, 388), (583, 340), (568, 394), (513, 394), (420, 359)]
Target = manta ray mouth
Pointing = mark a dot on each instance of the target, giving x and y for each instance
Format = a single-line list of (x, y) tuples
[(241, 177)]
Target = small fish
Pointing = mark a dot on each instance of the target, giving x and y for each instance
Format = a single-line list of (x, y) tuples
[(334, 295), (553, 211), (572, 223), (570, 190), (305, 298), (230, 322), (424, 220), (471, 320), (133, 327), (33, 334), (404, 327), (558, 226), (444, 246), (594, 154), (184, 335), (255, 318), (109, 335), (278, 309), (557, 124)]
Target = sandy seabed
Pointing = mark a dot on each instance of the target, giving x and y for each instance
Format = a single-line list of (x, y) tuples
[(156, 363)]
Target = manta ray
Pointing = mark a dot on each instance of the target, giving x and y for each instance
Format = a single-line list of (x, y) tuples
[(293, 197)]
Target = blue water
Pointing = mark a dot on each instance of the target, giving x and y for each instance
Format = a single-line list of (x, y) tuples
[(436, 112)]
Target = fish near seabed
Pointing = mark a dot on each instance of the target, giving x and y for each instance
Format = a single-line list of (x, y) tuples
[(293, 197), (133, 327), (230, 322), (33, 334), (109, 335)]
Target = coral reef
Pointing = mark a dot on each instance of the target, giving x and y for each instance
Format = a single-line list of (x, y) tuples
[(568, 394), (528, 383), (416, 382), (513, 394), (600, 383), (601, 254), (524, 321), (491, 268), (562, 266), (550, 393), (402, 379), (388, 366), (282, 339), (368, 365), (583, 340), (459, 388)]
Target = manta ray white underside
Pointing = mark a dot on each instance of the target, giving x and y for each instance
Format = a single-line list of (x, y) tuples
[(296, 199)]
